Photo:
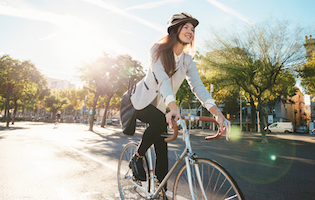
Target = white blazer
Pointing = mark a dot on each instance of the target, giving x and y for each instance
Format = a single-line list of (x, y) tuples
[(156, 82)]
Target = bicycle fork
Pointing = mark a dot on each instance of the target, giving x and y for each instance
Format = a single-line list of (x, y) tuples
[(188, 160)]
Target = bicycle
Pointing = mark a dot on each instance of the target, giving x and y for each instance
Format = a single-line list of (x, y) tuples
[(56, 124), (198, 178)]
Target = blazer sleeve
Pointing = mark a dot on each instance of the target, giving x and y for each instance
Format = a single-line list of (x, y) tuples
[(160, 76), (197, 86)]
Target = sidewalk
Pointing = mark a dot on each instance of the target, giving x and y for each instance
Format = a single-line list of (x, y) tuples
[(244, 136), (256, 137)]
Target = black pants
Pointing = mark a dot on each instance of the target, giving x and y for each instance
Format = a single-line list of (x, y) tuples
[(152, 135)]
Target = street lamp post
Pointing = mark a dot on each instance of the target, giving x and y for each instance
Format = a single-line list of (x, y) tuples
[(295, 111), (258, 122), (241, 120)]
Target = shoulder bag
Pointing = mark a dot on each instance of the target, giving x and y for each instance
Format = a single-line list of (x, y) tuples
[(127, 111)]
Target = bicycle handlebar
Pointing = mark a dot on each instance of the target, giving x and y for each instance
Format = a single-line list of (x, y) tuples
[(195, 118)]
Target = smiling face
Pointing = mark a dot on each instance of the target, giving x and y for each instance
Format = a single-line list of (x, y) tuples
[(187, 33)]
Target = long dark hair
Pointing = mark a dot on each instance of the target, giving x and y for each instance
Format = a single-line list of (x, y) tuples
[(165, 50)]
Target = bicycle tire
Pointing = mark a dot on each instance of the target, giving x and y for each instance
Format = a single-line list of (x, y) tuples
[(126, 188), (217, 182)]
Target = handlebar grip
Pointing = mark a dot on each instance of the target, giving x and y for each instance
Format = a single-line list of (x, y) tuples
[(218, 134), (174, 137), (209, 137)]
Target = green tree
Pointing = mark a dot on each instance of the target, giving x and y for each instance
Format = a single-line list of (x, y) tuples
[(116, 79), (108, 76), (307, 74), (229, 98), (54, 102), (33, 85), (2, 103), (184, 93), (93, 75), (10, 75), (255, 61), (19, 81), (75, 98)]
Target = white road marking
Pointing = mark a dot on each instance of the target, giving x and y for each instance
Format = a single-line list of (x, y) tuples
[(64, 194), (92, 158)]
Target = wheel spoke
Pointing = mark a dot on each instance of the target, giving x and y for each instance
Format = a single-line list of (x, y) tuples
[(216, 182), (128, 187)]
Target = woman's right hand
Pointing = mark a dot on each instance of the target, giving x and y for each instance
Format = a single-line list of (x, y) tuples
[(173, 115)]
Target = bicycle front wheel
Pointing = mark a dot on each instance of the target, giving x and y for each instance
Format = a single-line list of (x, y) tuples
[(217, 183), (129, 187)]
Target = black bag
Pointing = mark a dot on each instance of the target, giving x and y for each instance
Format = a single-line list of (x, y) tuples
[(127, 111)]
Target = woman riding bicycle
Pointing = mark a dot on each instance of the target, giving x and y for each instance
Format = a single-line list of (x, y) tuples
[(171, 61), (58, 116)]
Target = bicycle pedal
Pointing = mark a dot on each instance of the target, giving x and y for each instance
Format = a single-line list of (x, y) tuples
[(163, 196), (137, 181)]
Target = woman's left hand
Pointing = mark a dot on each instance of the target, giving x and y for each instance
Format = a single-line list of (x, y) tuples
[(222, 121)]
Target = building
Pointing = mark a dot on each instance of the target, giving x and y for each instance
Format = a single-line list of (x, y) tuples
[(297, 112), (309, 46), (293, 112), (299, 118), (308, 113), (56, 84), (312, 109)]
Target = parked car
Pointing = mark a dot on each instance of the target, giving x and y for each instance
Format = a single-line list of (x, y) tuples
[(113, 121), (279, 127), (42, 118), (302, 129)]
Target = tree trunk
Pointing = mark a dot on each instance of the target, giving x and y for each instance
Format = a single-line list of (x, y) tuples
[(261, 122), (105, 112), (94, 111), (104, 116), (15, 110), (23, 111), (7, 109), (253, 115)]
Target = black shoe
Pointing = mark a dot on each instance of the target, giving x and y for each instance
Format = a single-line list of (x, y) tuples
[(162, 192), (164, 197), (136, 164)]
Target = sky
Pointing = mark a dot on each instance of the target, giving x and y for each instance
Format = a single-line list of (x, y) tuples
[(60, 36)]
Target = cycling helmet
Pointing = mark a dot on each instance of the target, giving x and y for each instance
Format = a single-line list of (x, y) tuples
[(180, 18)]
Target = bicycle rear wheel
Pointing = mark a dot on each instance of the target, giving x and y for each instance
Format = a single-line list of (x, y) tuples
[(217, 182), (129, 188)]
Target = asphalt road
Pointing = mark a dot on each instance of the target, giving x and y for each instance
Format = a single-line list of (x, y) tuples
[(40, 162)]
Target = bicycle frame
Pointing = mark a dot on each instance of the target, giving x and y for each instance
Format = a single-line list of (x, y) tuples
[(186, 155)]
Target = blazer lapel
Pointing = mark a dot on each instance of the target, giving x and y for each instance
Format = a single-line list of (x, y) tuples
[(180, 63)]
